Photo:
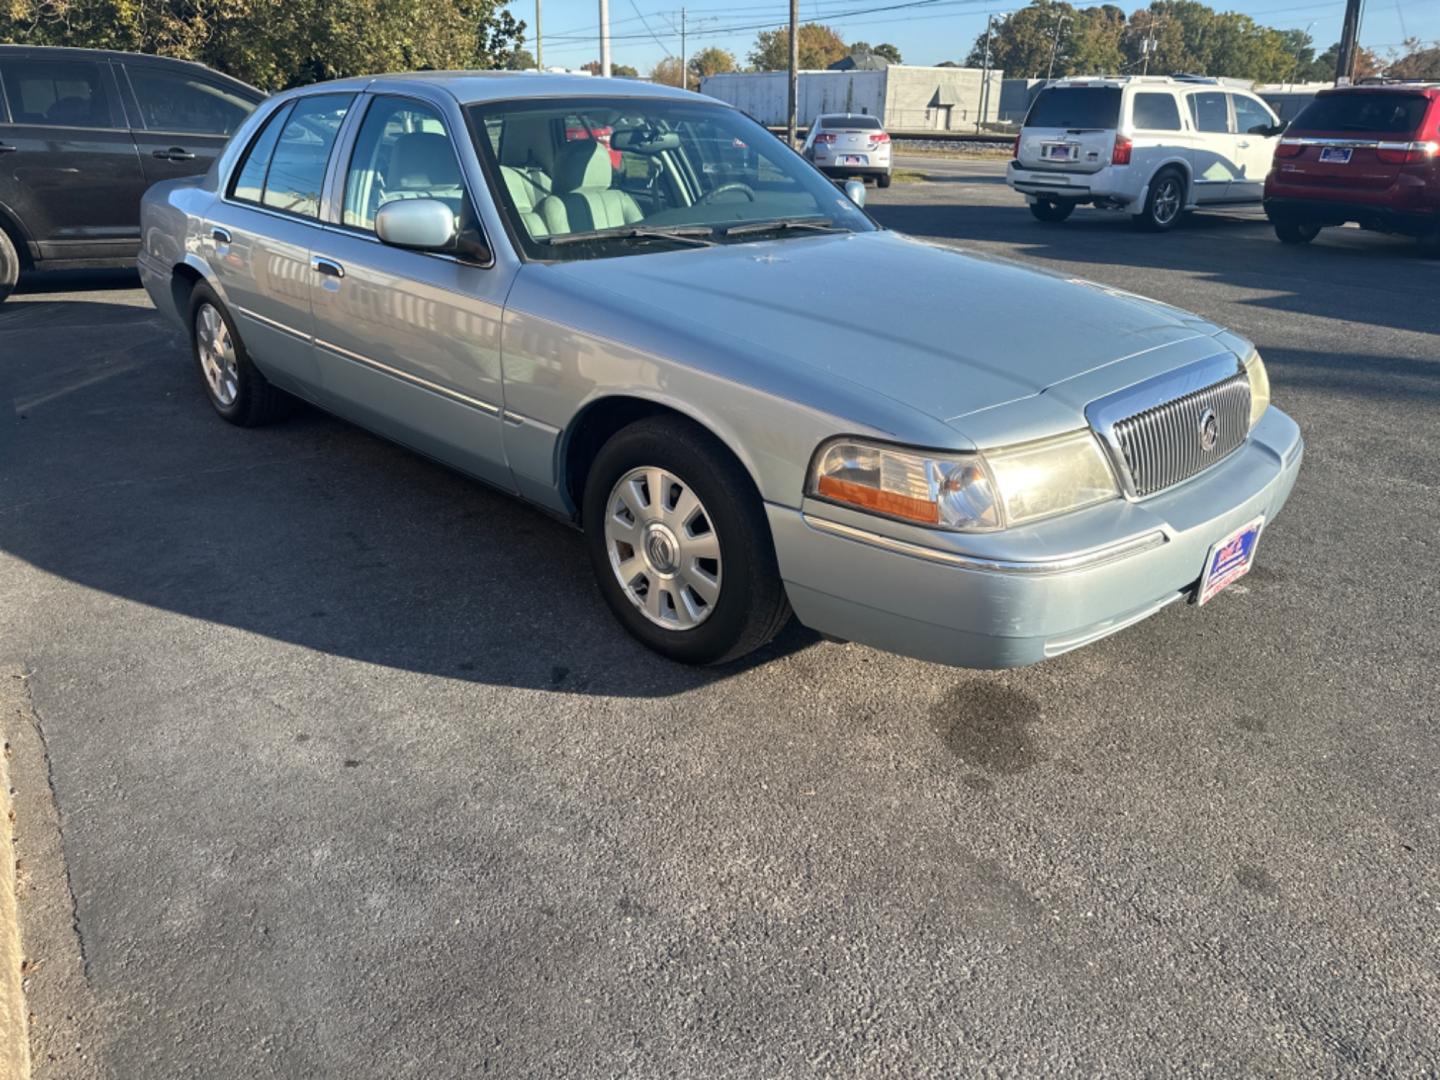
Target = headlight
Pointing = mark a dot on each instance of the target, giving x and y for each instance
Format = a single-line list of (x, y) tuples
[(1259, 386), (965, 492), (1040, 479), (952, 491)]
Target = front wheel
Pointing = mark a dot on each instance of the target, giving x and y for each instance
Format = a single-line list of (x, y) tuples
[(1164, 202), (1045, 210), (1295, 232), (679, 543)]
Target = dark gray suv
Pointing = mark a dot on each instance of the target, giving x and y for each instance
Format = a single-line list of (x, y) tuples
[(83, 133)]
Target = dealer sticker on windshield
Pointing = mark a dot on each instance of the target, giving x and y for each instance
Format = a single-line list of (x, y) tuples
[(1229, 560)]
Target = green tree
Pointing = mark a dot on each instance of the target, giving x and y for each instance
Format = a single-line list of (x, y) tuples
[(666, 72), (519, 60), (315, 39), (624, 71), (885, 49), (1322, 68), (1022, 42), (820, 47), (711, 61)]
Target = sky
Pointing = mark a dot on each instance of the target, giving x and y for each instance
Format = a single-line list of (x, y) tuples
[(644, 32)]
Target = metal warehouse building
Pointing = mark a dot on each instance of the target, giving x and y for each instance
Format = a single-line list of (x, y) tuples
[(905, 98)]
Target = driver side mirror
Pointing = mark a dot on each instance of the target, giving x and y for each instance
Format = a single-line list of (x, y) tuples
[(855, 192), (427, 225)]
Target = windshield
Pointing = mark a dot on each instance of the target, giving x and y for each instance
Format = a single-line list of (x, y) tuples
[(1373, 111), (599, 177), (1076, 107)]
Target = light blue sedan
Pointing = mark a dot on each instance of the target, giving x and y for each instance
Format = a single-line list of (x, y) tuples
[(634, 307)]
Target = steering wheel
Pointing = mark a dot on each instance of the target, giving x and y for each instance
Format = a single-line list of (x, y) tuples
[(745, 189)]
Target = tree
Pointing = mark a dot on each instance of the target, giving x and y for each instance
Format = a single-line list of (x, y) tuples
[(624, 71), (316, 39), (519, 60), (666, 72), (711, 61), (1417, 62), (1322, 68), (888, 51), (1022, 42), (820, 47)]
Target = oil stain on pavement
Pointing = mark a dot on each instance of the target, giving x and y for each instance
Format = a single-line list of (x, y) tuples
[(986, 724)]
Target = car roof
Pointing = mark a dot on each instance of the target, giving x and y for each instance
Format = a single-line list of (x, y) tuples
[(476, 87), (65, 52), (1426, 87)]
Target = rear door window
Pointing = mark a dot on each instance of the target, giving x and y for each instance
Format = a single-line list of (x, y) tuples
[(1375, 112), (1210, 111), (181, 102), (297, 167), (1156, 112), (1250, 114), (60, 93), (1076, 107)]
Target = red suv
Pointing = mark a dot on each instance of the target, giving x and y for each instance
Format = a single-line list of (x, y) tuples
[(1368, 154)]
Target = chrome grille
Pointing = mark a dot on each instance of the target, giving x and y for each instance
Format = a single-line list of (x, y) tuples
[(1163, 445)]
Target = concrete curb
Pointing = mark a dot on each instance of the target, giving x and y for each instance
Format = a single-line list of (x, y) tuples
[(47, 1008)]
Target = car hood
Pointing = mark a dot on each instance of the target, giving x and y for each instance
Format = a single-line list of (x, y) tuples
[(943, 331)]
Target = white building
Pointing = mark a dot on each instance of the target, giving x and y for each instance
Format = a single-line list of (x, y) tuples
[(905, 98)]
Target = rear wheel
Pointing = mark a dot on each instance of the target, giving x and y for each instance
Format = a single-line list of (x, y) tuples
[(233, 384), (680, 545), (1045, 210), (1164, 202), (883, 180), (1296, 232), (9, 265)]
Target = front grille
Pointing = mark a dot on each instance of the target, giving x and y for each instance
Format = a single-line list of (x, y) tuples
[(1164, 445)]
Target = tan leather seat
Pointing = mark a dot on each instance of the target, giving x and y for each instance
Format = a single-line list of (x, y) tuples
[(584, 198)]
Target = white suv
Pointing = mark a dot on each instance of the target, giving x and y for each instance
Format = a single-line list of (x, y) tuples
[(1154, 146)]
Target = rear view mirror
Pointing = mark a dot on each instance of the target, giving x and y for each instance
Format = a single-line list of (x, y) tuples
[(855, 191)]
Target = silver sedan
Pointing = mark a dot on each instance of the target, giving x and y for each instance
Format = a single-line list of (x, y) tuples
[(632, 306)]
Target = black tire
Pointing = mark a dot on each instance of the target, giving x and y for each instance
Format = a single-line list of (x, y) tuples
[(1051, 212), (1296, 232), (1164, 202), (9, 266), (751, 607), (254, 401), (883, 180)]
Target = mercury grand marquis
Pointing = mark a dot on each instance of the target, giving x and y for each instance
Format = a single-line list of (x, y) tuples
[(636, 308)]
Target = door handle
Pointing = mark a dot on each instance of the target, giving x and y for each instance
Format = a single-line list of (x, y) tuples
[(7, 149), (1243, 145), (329, 267), (175, 153), (219, 235)]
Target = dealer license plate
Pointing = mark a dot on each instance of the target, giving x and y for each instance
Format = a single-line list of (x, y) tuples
[(1057, 152), (1336, 155), (1229, 560), (852, 159)]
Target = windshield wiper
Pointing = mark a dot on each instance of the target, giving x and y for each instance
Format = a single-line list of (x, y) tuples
[(783, 224), (699, 235)]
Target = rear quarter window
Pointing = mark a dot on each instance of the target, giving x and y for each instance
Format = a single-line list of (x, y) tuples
[(1076, 107), (857, 123), (1368, 111), (1155, 112)]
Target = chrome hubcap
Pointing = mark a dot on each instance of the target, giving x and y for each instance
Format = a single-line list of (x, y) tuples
[(663, 548), (217, 355), (1167, 202)]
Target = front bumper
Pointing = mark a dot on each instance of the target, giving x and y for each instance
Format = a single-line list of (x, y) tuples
[(947, 605)]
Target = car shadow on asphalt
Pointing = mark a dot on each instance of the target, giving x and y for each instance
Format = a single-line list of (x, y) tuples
[(118, 476), (1224, 248)]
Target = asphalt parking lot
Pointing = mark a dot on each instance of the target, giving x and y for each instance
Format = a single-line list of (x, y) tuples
[(356, 776)]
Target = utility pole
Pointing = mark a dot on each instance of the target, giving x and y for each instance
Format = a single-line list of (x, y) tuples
[(539, 46), (1349, 44), (984, 78), (1054, 47), (605, 38), (1149, 45), (684, 74), (794, 72)]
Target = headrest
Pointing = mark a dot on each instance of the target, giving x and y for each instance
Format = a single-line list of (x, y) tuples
[(522, 191), (422, 159), (583, 164)]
